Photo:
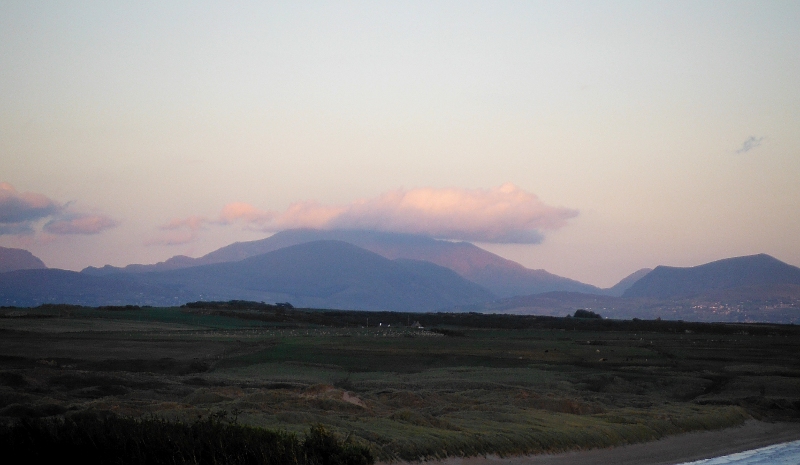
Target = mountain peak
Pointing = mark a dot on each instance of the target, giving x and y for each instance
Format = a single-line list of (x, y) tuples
[(501, 276), (18, 259), (751, 270)]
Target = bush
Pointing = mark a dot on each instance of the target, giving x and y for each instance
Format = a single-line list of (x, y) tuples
[(581, 313), (97, 439)]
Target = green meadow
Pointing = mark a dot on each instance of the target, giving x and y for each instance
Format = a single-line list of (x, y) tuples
[(404, 386)]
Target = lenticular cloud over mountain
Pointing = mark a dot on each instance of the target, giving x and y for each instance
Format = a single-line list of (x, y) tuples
[(503, 214), (506, 214)]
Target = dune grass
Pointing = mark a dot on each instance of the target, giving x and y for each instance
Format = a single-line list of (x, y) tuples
[(515, 387)]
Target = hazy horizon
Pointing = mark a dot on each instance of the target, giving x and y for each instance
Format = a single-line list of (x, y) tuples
[(590, 140)]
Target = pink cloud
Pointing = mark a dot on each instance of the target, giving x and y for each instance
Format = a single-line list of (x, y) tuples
[(20, 207), (21, 212), (179, 231), (245, 212), (185, 230), (506, 214), (79, 224), (192, 223), (307, 215), (231, 213)]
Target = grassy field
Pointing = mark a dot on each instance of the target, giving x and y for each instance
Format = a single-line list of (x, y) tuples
[(463, 384)]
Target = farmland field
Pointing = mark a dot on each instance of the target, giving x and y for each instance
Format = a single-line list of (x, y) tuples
[(408, 386)]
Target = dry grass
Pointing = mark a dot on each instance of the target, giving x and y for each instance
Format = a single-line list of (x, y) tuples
[(405, 393)]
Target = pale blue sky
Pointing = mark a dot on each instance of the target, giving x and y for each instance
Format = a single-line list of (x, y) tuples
[(633, 114)]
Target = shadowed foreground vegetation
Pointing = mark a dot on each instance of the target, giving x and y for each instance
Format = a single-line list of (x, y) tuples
[(94, 439), (400, 385)]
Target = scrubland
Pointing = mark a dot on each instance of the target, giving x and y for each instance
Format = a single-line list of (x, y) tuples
[(453, 385)]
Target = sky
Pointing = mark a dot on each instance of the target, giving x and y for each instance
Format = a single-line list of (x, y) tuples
[(590, 139)]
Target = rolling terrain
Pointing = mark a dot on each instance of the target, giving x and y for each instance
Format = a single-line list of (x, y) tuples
[(453, 385), (768, 304)]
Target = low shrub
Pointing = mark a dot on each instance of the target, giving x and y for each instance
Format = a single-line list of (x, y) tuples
[(102, 439)]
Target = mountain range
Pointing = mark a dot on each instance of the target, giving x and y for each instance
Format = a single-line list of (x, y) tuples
[(323, 274), (740, 289), (500, 276), (386, 271)]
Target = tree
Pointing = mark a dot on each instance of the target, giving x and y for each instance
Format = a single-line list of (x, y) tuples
[(581, 313)]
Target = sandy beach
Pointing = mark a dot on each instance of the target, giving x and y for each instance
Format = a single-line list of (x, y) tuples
[(668, 451)]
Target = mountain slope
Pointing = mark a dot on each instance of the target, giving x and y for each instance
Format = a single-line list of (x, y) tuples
[(626, 282), (331, 274), (18, 259), (501, 276), (324, 274), (666, 282)]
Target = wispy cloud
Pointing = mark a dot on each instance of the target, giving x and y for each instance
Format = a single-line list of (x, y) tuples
[(239, 211), (16, 229), (192, 223), (172, 237), (20, 212), (751, 143), (506, 214), (79, 224), (185, 230)]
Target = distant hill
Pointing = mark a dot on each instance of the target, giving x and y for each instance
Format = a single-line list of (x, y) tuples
[(18, 259), (666, 282), (29, 288), (501, 276), (626, 282), (323, 274), (174, 263), (558, 303), (768, 304), (756, 288)]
